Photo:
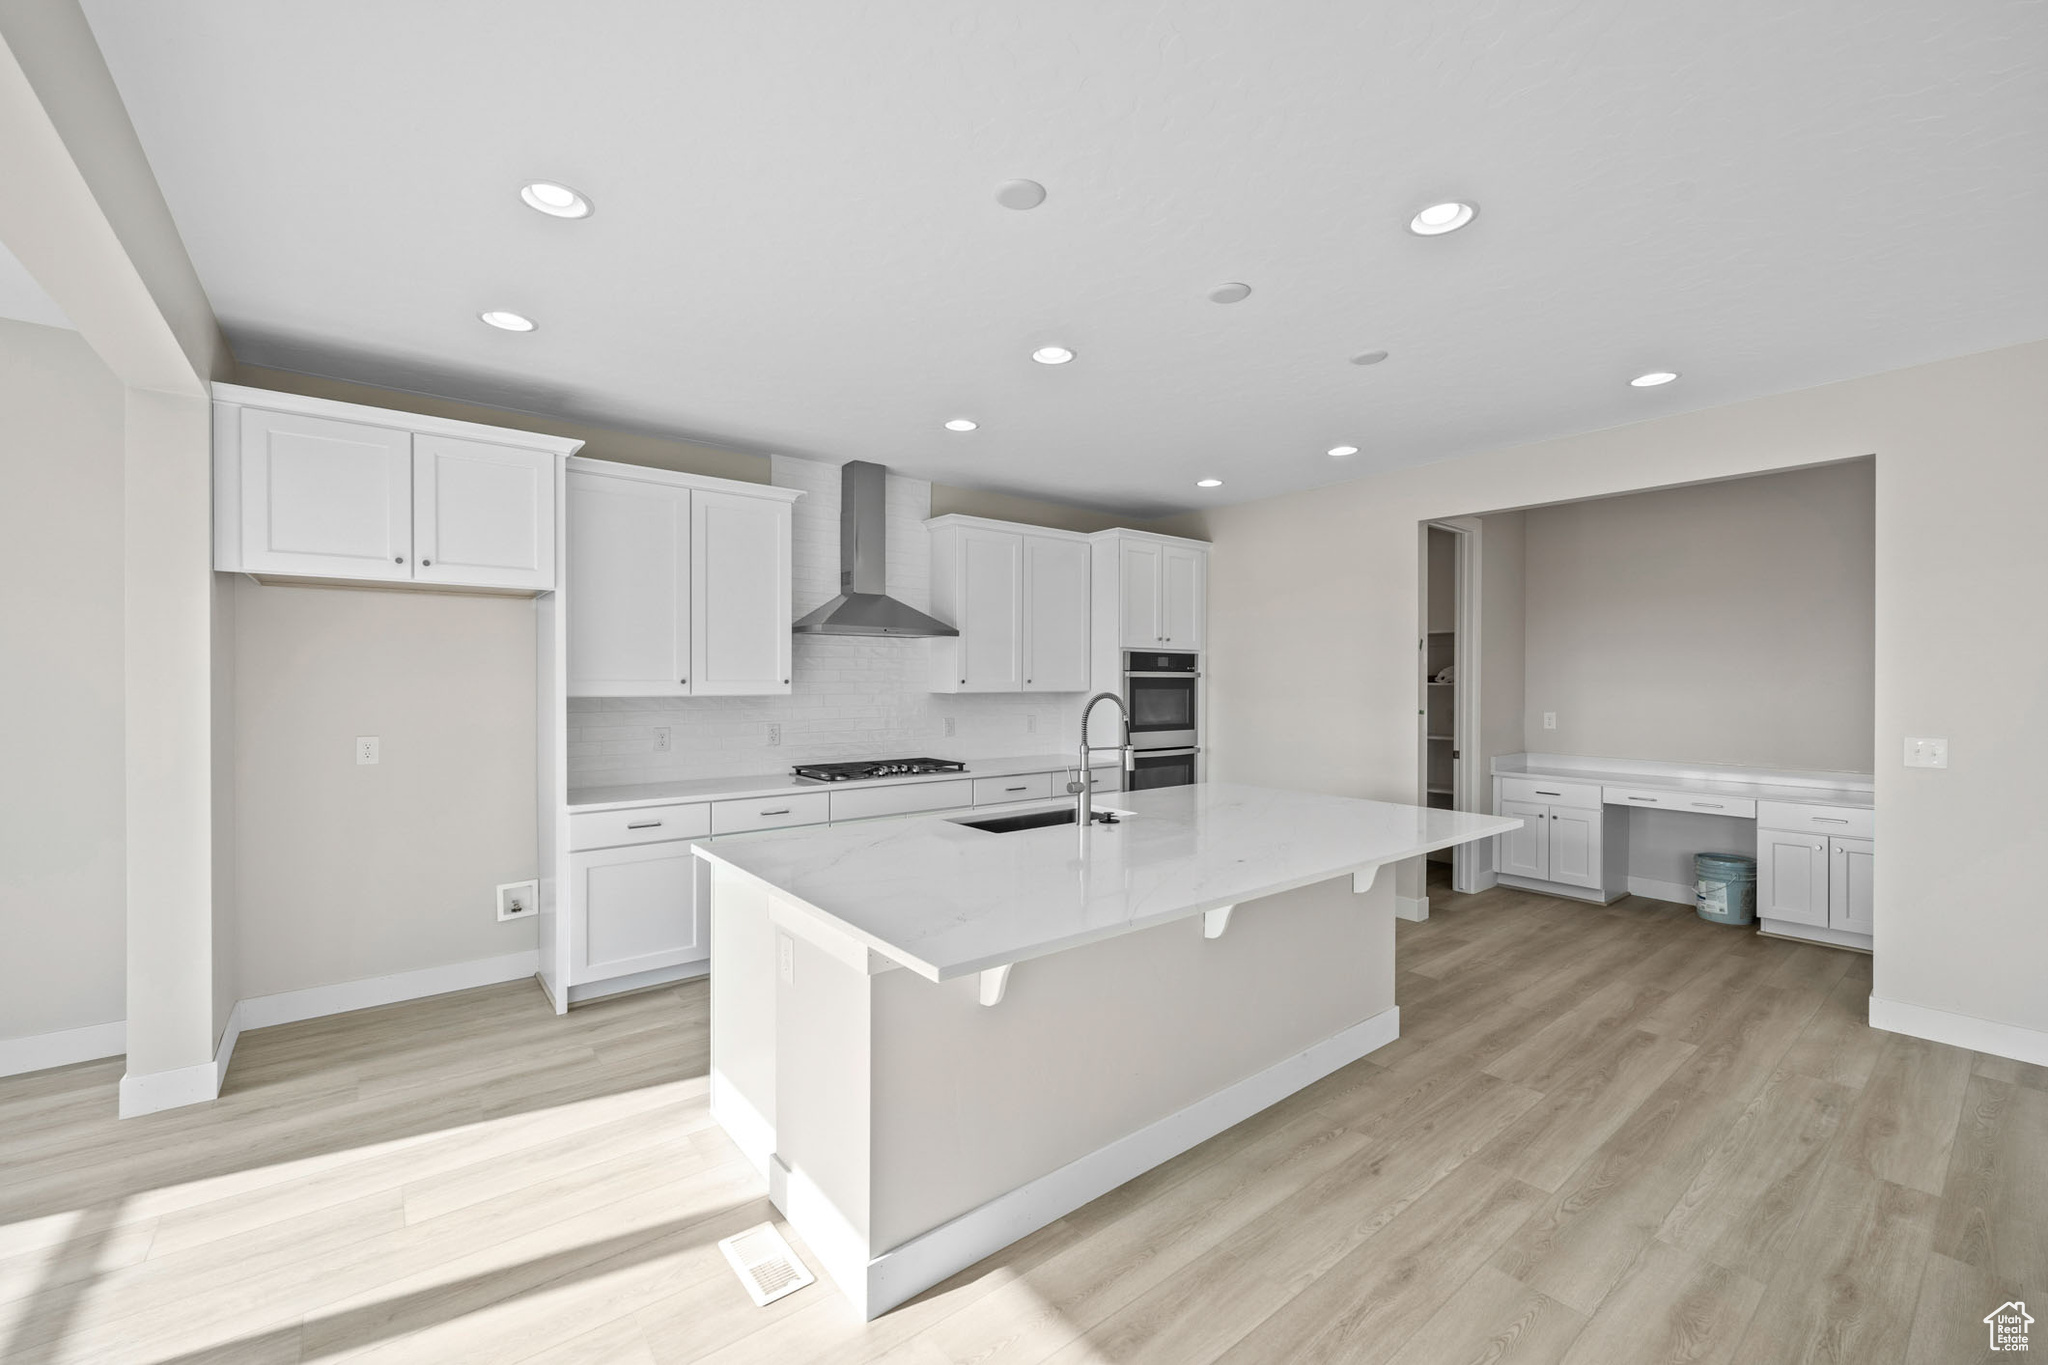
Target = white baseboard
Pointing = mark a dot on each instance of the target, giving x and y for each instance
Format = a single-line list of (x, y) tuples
[(1413, 908), (41, 1051), (1678, 893), (2019, 1043), (160, 1090), (638, 981), (289, 1007), (229, 1036), (908, 1270)]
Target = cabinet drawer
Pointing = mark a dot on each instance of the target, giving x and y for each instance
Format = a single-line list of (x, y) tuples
[(1662, 798), (770, 812), (990, 791), (1853, 821), (641, 825), (903, 800), (1543, 791)]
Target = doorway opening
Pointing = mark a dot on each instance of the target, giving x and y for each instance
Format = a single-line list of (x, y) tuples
[(1447, 653)]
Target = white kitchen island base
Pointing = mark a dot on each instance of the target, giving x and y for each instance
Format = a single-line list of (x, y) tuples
[(907, 1131)]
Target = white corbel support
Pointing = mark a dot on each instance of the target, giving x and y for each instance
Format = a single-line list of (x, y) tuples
[(1214, 922), (994, 981), (1361, 882)]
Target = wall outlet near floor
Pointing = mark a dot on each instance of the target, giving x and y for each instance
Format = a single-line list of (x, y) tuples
[(1550, 720), (518, 900), (661, 739), (1926, 753), (366, 748), (774, 732), (949, 727)]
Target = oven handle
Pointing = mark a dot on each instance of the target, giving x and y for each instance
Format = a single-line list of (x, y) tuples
[(1144, 754), (1162, 675)]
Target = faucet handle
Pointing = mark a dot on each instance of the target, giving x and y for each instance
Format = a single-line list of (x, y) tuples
[(1075, 788)]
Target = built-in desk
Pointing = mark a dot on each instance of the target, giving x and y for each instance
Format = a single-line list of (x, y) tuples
[(1812, 834)]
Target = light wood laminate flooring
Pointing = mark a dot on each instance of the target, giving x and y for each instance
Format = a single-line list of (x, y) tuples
[(1609, 1136)]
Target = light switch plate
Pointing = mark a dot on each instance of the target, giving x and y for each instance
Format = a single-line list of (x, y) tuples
[(1926, 753), (366, 748)]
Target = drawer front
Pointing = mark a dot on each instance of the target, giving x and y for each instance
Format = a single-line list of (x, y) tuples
[(1545, 792), (992, 791), (641, 825), (1663, 798), (903, 800), (770, 812), (1851, 821)]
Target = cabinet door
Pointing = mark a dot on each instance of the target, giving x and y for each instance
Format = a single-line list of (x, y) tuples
[(1849, 885), (1138, 595), (740, 595), (1182, 586), (1575, 846), (325, 499), (991, 597), (483, 516), (633, 910), (1055, 615), (1525, 852), (626, 588), (1792, 876)]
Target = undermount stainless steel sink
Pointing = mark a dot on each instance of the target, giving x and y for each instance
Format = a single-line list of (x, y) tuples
[(1034, 819)]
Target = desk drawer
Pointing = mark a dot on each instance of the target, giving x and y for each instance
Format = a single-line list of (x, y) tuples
[(991, 791), (640, 825), (1663, 798), (1544, 791), (770, 812), (1840, 821), (903, 800)]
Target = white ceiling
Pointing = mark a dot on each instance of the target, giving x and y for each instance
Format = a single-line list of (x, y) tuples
[(796, 247), (21, 298)]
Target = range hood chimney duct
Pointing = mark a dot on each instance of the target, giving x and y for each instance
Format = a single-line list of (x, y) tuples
[(864, 606)]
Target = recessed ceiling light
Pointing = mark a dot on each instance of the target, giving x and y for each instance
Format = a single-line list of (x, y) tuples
[(1230, 293), (510, 322), (1438, 219), (960, 424), (1020, 194), (1653, 379), (1343, 450), (1052, 355), (1208, 483), (1368, 357), (558, 201)]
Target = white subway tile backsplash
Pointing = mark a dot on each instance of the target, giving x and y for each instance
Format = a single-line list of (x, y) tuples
[(852, 698)]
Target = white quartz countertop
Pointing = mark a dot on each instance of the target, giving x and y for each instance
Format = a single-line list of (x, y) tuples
[(782, 784), (945, 900), (1825, 789)]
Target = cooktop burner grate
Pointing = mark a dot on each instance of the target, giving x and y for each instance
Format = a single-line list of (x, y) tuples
[(888, 767)]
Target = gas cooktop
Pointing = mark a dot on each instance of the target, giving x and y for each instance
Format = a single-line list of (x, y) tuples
[(888, 767)]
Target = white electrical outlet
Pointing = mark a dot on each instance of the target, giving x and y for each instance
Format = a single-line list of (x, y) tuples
[(1030, 722), (774, 732), (785, 958), (366, 748), (1550, 720), (949, 727), (661, 739), (1926, 753), (518, 900)]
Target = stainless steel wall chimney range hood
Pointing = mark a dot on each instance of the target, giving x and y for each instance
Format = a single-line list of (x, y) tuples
[(864, 606)]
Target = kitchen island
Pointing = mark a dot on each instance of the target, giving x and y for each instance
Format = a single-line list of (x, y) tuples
[(933, 1039)]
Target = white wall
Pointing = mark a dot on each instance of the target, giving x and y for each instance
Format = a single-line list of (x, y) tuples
[(62, 912), (853, 697), (347, 871), (1722, 623), (1962, 478)]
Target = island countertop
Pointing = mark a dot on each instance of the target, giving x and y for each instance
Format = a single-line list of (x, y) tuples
[(946, 900)]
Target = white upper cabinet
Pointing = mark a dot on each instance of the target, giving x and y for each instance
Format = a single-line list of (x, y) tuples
[(323, 498), (675, 585), (483, 515), (337, 491), (739, 594), (1019, 597), (1055, 614), (1154, 590), (627, 581)]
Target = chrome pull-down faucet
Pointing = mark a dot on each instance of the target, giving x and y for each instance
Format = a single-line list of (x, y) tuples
[(1081, 789)]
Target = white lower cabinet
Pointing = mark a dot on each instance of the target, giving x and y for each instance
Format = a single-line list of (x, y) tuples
[(1524, 852), (1821, 881), (1560, 844), (634, 909)]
